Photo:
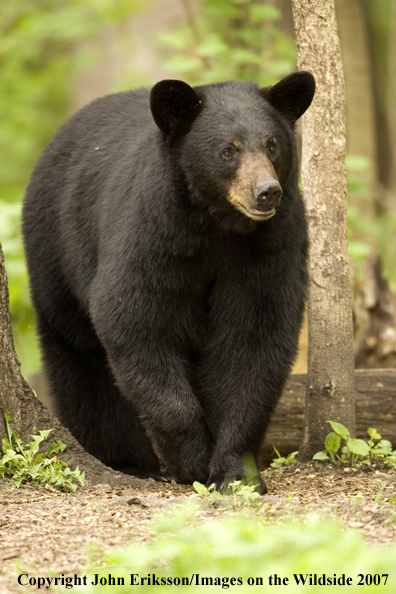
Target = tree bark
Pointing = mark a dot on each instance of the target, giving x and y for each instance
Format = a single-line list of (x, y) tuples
[(30, 415), (330, 385)]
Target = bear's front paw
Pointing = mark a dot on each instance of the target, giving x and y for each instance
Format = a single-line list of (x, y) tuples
[(187, 476)]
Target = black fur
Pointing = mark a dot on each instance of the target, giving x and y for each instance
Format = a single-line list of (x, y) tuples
[(168, 320)]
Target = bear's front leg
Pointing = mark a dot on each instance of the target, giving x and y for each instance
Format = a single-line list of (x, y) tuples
[(155, 381), (249, 353), (147, 349)]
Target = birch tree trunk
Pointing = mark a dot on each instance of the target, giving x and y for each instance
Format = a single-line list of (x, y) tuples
[(330, 382)]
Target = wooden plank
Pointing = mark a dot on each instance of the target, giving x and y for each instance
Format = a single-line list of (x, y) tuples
[(375, 391)]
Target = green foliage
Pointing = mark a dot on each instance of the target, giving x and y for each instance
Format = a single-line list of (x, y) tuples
[(207, 493), (380, 233), (355, 451), (231, 39), (43, 44), (280, 460), (358, 167), (241, 494), (387, 246), (241, 548), (25, 463)]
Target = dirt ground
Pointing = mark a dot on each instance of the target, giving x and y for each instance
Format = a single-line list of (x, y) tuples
[(45, 531)]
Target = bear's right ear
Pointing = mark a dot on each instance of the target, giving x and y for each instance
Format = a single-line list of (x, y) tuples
[(173, 102)]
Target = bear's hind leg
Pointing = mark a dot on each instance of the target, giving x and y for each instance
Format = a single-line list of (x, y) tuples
[(90, 405)]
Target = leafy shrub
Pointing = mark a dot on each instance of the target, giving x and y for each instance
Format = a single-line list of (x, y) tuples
[(355, 451), (24, 463)]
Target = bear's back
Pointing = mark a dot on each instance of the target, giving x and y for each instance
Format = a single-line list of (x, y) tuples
[(111, 119)]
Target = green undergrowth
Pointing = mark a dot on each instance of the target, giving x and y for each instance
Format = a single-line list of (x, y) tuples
[(243, 553), (280, 460), (356, 452), (342, 449), (23, 463), (239, 496)]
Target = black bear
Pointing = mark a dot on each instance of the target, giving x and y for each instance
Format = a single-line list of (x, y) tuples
[(166, 243)]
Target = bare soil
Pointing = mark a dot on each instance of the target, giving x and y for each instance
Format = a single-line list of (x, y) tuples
[(45, 531)]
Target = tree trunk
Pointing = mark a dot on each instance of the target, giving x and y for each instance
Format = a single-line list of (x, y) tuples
[(330, 385), (29, 414)]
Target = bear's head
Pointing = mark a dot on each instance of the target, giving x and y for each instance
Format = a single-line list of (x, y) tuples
[(235, 143)]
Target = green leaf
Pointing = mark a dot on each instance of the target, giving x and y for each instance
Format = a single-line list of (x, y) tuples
[(332, 442), (56, 448), (200, 488), (261, 12), (180, 40), (359, 163), (216, 496), (182, 64), (384, 448), (222, 8), (373, 433), (321, 456), (212, 46), (358, 447), (339, 429), (246, 57)]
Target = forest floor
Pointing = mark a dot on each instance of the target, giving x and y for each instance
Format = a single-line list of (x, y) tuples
[(46, 532)]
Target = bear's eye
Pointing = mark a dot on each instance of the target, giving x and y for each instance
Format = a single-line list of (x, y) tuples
[(271, 145), (227, 153)]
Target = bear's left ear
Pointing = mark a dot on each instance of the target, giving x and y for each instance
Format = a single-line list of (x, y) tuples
[(292, 95), (173, 102)]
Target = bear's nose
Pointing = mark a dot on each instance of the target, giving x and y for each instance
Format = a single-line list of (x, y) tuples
[(268, 194)]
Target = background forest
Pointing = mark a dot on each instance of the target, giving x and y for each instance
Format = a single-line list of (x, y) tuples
[(57, 56)]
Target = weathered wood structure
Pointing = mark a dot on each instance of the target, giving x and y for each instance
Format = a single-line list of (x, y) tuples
[(375, 395)]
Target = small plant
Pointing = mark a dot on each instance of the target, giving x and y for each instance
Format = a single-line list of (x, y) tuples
[(277, 462), (240, 493), (23, 462), (379, 494), (359, 499), (244, 494), (381, 448), (355, 451), (292, 497), (207, 493)]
